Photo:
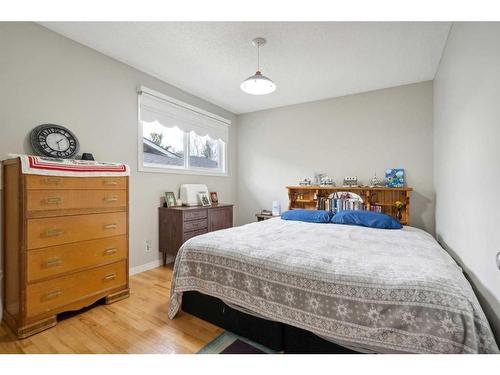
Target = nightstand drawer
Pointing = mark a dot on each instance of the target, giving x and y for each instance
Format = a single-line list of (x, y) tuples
[(195, 225), (192, 234), (55, 260), (194, 215), (61, 230)]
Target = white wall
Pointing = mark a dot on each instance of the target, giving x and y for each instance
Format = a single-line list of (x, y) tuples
[(466, 156), (47, 78), (352, 135)]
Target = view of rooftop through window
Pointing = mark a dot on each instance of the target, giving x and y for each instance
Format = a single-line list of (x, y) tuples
[(166, 146)]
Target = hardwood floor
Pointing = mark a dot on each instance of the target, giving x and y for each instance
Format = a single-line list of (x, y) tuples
[(138, 324)]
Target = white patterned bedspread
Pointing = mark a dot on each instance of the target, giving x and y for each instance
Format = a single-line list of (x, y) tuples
[(372, 289)]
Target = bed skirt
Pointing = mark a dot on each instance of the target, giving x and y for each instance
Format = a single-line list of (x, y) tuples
[(275, 335)]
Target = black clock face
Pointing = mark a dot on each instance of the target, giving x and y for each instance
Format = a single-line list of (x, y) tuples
[(54, 140)]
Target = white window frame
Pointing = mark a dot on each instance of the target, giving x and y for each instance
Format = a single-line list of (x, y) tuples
[(223, 171)]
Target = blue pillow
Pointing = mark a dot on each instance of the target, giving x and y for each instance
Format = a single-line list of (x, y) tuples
[(366, 219), (309, 216)]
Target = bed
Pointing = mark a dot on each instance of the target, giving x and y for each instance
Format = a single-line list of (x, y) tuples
[(370, 290)]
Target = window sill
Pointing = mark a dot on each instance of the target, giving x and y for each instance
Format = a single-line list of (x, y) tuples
[(146, 169)]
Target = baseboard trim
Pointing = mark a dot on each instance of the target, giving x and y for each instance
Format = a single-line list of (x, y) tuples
[(149, 266), (145, 267)]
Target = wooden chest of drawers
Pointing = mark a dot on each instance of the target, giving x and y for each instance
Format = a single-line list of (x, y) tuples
[(65, 245), (179, 224)]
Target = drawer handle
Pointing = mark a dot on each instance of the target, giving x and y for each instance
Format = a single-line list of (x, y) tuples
[(110, 182), (53, 294), (54, 232), (53, 180), (111, 250), (110, 226), (113, 198), (53, 200), (111, 276), (52, 262)]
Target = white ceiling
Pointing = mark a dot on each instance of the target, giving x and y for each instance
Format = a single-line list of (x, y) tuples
[(307, 60)]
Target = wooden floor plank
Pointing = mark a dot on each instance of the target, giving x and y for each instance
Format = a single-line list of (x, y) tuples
[(138, 324)]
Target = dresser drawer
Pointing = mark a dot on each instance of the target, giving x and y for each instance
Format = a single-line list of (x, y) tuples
[(52, 261), (195, 225), (61, 230), (48, 295), (192, 234), (194, 215), (46, 200), (53, 182)]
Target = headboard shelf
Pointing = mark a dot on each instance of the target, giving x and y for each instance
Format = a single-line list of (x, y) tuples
[(307, 197)]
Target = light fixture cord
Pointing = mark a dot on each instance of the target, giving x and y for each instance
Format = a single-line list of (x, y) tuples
[(258, 57)]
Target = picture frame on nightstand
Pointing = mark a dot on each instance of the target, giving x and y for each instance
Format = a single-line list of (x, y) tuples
[(170, 200), (204, 199), (213, 197)]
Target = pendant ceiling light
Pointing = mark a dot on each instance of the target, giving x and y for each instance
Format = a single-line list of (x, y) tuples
[(258, 84)]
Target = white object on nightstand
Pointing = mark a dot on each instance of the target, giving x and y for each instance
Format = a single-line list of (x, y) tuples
[(189, 193), (276, 208)]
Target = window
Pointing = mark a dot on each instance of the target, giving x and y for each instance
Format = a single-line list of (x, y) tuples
[(176, 137)]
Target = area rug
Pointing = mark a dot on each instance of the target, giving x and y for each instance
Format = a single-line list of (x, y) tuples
[(229, 343)]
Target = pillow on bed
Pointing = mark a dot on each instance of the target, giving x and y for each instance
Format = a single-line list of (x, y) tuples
[(366, 219), (309, 216)]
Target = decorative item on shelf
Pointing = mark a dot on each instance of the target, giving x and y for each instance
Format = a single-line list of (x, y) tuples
[(327, 181), (305, 182), (318, 177), (204, 199), (398, 205), (395, 177), (350, 181), (87, 156), (54, 140), (375, 181), (276, 210), (213, 197), (170, 200)]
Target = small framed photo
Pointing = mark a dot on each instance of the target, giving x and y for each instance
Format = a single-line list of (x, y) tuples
[(170, 199), (213, 197), (204, 199)]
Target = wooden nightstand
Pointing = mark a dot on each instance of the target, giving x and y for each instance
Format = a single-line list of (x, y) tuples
[(180, 223), (262, 217)]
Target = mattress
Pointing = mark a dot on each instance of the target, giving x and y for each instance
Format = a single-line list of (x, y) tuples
[(374, 290)]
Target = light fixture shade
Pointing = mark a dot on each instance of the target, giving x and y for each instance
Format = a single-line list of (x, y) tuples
[(258, 85)]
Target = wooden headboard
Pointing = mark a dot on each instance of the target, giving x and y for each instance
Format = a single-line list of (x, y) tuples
[(307, 197)]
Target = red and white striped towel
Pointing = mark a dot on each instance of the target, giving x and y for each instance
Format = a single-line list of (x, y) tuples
[(70, 167)]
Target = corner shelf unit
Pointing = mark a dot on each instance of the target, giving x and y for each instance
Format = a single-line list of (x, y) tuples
[(305, 197)]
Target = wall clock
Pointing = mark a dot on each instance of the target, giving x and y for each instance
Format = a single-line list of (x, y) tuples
[(54, 140)]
